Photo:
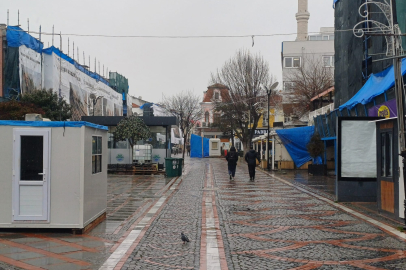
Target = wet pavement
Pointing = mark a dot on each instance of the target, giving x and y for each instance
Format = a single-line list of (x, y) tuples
[(128, 199), (280, 221)]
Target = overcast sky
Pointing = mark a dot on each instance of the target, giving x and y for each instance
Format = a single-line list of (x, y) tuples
[(157, 67)]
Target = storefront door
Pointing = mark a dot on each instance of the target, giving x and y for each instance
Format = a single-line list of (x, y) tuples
[(387, 168), (31, 171)]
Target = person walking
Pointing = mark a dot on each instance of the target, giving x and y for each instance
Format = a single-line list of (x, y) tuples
[(188, 149), (250, 157), (232, 158)]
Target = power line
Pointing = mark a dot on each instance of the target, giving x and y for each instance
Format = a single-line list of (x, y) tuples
[(180, 37)]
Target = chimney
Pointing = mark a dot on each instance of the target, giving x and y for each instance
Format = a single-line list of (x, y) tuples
[(302, 17)]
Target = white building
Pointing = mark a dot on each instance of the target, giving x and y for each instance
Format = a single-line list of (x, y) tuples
[(315, 47)]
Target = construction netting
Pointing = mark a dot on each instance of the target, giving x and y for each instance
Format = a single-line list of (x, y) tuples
[(118, 82)]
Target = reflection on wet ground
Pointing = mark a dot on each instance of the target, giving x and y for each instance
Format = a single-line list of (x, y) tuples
[(325, 186), (127, 200)]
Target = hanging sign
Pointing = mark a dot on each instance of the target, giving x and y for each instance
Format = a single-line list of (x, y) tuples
[(386, 109)]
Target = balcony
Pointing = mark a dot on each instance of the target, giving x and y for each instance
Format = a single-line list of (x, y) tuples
[(326, 109)]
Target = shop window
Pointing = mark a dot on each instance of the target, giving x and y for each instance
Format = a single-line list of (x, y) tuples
[(96, 154)]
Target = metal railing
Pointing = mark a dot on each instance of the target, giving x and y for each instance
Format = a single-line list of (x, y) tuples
[(324, 110)]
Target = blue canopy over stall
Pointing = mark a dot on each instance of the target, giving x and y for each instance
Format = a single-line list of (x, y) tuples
[(376, 85), (196, 147), (295, 141)]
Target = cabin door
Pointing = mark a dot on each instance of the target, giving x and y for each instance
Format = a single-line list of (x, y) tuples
[(31, 174)]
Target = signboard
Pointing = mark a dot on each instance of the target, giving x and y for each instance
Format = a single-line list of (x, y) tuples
[(259, 132), (386, 109)]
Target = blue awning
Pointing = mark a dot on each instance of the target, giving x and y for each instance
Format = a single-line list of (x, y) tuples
[(376, 85), (295, 141), (17, 37)]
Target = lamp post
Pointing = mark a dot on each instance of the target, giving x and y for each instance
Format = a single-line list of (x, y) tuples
[(94, 100), (268, 92)]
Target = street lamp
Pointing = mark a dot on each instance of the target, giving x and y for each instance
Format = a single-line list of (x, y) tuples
[(94, 100), (268, 92)]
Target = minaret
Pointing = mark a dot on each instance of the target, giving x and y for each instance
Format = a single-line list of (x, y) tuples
[(302, 17)]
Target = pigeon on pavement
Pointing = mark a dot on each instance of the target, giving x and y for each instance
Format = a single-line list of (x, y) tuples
[(184, 238)]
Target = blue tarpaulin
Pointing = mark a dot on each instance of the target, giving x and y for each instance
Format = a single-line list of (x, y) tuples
[(75, 124), (17, 37), (196, 146), (56, 51), (377, 84), (295, 141), (334, 3), (146, 104)]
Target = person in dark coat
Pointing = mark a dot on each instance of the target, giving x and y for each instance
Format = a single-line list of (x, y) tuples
[(250, 158), (232, 158), (188, 149)]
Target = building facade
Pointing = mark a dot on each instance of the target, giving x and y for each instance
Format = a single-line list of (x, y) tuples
[(317, 48), (214, 93)]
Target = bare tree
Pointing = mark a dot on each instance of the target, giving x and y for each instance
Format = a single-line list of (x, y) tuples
[(186, 108), (245, 75), (306, 82)]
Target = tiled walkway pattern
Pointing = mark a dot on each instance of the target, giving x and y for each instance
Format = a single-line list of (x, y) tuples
[(267, 224), (161, 247)]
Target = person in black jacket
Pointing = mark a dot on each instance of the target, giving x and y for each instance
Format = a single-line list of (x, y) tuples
[(232, 158), (250, 158)]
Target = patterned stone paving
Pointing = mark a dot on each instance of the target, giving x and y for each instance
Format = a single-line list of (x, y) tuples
[(161, 246), (265, 224), (275, 226)]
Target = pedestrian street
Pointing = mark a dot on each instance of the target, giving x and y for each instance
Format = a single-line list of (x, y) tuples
[(265, 224)]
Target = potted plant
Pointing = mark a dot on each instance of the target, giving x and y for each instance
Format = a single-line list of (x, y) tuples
[(316, 149)]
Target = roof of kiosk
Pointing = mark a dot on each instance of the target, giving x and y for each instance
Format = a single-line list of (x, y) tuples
[(75, 124)]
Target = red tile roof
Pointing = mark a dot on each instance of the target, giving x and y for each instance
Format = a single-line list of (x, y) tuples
[(209, 94)]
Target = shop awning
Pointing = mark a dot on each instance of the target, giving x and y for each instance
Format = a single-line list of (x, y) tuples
[(377, 84)]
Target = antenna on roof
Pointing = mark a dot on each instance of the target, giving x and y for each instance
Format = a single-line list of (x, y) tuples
[(28, 22), (40, 33), (8, 16), (99, 67), (18, 18), (84, 59), (60, 40), (52, 35)]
